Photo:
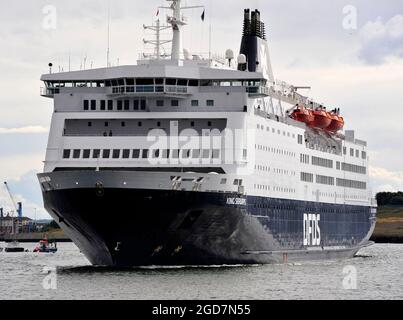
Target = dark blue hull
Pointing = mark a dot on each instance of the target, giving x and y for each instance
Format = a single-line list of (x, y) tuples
[(131, 227)]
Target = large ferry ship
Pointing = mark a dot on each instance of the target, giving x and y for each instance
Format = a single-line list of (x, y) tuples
[(193, 161)]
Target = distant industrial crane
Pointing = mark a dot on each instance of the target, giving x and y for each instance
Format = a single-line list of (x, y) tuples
[(17, 206)]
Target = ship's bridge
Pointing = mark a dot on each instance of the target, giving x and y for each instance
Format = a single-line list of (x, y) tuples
[(178, 81)]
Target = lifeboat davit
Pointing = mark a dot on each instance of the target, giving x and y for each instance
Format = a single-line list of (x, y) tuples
[(337, 123), (302, 114), (322, 119)]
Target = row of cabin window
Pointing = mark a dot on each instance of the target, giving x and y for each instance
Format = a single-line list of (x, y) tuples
[(275, 170), (127, 105), (273, 130), (322, 162), (140, 124), (308, 177), (278, 189), (356, 153), (274, 150), (110, 105), (326, 163), (193, 103), (141, 154)]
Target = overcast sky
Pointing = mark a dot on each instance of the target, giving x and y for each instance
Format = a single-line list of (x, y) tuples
[(357, 69)]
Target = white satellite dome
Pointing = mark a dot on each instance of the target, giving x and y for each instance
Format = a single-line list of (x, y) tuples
[(241, 59), (186, 54), (229, 54)]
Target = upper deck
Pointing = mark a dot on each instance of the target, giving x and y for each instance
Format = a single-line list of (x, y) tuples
[(159, 77)]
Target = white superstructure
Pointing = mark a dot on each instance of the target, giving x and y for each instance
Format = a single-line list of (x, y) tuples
[(227, 128)]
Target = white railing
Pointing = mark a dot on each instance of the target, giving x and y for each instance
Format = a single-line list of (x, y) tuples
[(139, 89), (49, 92)]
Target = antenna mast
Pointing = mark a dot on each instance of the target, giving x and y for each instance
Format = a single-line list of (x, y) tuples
[(177, 21), (109, 27), (157, 42)]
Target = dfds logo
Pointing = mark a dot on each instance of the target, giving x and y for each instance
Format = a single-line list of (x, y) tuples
[(311, 230)]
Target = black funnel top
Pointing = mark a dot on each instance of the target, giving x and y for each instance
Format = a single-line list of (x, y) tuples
[(253, 33), (252, 26)]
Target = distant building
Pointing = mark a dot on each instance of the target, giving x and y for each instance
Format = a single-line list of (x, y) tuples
[(25, 225)]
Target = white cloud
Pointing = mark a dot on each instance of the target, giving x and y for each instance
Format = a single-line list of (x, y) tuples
[(381, 40), (28, 129), (13, 167), (386, 180)]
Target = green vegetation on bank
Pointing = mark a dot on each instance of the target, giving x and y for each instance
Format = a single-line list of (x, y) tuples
[(390, 199), (389, 226)]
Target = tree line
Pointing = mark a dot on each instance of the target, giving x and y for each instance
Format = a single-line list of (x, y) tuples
[(390, 198)]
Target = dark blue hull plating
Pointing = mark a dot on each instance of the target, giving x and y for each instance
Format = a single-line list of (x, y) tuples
[(130, 227)]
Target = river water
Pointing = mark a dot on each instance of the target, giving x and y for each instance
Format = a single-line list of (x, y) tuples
[(377, 273)]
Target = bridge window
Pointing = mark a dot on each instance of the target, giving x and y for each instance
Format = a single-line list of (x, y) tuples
[(110, 105), (142, 104), (76, 154), (145, 154), (182, 82), (120, 105), (144, 82), (66, 154), (103, 105), (195, 103), (86, 105), (136, 154), (136, 104), (170, 82), (126, 154), (116, 154), (93, 105), (174, 103), (86, 153), (210, 103), (96, 153), (106, 154), (193, 83), (127, 105)]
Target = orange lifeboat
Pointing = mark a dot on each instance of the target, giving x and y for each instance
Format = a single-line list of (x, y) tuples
[(322, 119), (303, 114), (337, 122)]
